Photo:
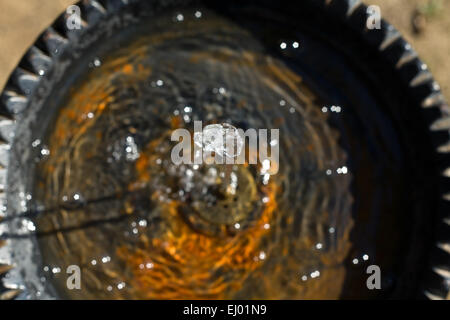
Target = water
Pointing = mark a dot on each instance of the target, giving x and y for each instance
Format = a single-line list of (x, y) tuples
[(140, 226)]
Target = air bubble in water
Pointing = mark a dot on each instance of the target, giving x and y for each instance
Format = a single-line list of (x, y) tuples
[(220, 138)]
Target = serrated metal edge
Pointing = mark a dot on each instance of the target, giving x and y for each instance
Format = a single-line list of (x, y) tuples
[(14, 100), (433, 99)]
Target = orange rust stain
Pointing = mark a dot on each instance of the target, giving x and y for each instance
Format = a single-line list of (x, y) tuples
[(127, 69), (175, 122), (184, 261)]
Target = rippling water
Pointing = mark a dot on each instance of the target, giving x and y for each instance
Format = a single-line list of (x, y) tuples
[(143, 227)]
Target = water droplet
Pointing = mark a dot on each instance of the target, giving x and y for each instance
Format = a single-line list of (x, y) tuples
[(56, 270), (265, 165), (179, 17), (45, 151), (343, 170), (143, 223), (216, 138), (97, 62)]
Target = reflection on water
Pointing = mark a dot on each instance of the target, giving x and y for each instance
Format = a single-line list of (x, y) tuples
[(193, 231)]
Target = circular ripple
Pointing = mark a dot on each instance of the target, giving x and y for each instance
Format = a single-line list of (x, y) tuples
[(141, 226)]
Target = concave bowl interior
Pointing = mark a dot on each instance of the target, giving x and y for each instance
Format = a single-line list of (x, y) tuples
[(359, 182)]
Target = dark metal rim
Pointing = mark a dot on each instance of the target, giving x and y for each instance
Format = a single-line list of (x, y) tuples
[(44, 53)]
